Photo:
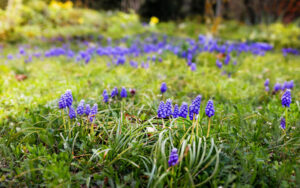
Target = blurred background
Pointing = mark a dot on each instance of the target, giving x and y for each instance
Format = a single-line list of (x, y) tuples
[(247, 11), (269, 19)]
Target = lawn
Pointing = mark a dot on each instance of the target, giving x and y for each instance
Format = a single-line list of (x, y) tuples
[(125, 142)]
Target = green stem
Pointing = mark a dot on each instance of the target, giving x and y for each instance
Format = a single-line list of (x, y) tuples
[(197, 127), (171, 183), (82, 125), (193, 127), (286, 118), (208, 127)]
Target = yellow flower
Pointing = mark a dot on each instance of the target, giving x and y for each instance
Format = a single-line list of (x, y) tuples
[(153, 20), (55, 5), (59, 5), (68, 5)]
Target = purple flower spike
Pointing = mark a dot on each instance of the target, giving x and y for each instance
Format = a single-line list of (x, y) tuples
[(192, 115), (114, 92), (163, 87), (161, 113), (123, 93), (69, 98), (93, 112), (285, 86), (173, 159), (62, 102), (193, 67), (87, 109), (219, 64), (267, 82), (277, 87), (183, 110), (227, 60), (210, 110), (176, 111), (196, 103), (80, 108), (72, 113), (290, 84), (105, 96), (267, 88), (286, 98), (168, 108)]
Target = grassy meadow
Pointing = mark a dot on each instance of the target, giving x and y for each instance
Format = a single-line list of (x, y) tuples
[(126, 144)]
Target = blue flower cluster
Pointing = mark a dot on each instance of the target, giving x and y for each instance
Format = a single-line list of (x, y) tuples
[(115, 92), (165, 109), (120, 52), (183, 112), (286, 98), (266, 84), (66, 101), (286, 51), (80, 108), (161, 112), (173, 159), (163, 87), (210, 110), (195, 107), (105, 96), (93, 112), (278, 87), (219, 64)]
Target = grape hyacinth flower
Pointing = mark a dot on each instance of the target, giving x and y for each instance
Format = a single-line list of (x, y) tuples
[(290, 84), (168, 108), (227, 60), (277, 87), (282, 123), (267, 88), (123, 92), (163, 87), (80, 108), (72, 113), (93, 112), (105, 96), (196, 103), (62, 102), (69, 98), (87, 109), (219, 64), (285, 86), (193, 67), (176, 111), (209, 111), (22, 51), (161, 113), (267, 82), (191, 112), (286, 98), (173, 159), (183, 110), (114, 92)]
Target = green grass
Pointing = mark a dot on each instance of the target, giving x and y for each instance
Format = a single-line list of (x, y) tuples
[(246, 146)]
